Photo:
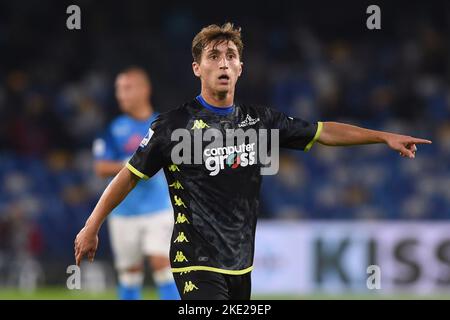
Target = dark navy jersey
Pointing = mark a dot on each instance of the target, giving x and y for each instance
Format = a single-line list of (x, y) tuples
[(216, 200)]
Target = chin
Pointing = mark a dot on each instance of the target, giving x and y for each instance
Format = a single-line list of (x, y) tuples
[(222, 93), (125, 109), (223, 89)]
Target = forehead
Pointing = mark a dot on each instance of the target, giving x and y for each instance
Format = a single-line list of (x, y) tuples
[(221, 45), (129, 78)]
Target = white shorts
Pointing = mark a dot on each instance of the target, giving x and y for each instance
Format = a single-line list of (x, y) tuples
[(133, 237)]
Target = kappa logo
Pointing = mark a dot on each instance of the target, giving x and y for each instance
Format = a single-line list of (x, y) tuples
[(181, 218), (249, 121), (179, 257), (178, 201), (176, 185), (189, 287), (199, 124), (181, 238), (173, 168)]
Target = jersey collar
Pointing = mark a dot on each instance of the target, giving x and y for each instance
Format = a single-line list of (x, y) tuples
[(222, 111)]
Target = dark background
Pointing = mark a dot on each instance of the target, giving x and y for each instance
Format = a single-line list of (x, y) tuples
[(311, 59)]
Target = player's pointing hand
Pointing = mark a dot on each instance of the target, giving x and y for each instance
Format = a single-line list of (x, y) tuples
[(405, 145), (86, 243)]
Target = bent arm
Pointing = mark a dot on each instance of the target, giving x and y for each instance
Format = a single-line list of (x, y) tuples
[(107, 168), (340, 134), (113, 195)]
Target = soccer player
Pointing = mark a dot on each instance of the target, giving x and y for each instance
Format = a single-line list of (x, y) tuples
[(141, 225), (216, 202)]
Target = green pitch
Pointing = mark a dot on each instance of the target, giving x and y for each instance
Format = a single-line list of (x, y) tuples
[(63, 294), (54, 293)]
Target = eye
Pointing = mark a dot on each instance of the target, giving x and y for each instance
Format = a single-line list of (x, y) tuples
[(231, 56), (213, 56)]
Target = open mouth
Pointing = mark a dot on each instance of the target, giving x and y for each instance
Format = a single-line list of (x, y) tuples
[(224, 77)]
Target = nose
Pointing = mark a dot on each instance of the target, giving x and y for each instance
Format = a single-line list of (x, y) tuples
[(223, 63)]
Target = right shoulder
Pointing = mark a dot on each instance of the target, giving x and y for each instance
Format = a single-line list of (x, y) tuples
[(173, 119)]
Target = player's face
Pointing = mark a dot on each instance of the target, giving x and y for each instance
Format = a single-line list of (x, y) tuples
[(219, 67), (132, 91)]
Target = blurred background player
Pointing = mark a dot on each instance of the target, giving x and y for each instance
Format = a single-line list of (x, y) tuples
[(142, 225)]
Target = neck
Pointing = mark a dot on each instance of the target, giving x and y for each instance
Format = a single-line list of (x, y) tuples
[(218, 99), (142, 113)]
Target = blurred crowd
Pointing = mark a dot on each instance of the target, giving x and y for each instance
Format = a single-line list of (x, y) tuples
[(57, 94)]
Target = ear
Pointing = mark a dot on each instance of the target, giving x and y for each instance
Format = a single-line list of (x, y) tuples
[(196, 69), (240, 69)]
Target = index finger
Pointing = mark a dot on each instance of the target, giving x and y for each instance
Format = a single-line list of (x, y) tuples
[(78, 257), (422, 141)]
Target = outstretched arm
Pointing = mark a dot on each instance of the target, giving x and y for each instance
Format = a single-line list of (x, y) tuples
[(340, 134), (86, 241)]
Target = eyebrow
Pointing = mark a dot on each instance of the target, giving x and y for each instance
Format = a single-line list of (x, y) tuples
[(211, 51)]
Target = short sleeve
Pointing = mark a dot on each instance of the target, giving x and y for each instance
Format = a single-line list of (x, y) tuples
[(104, 147), (295, 133), (153, 151)]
